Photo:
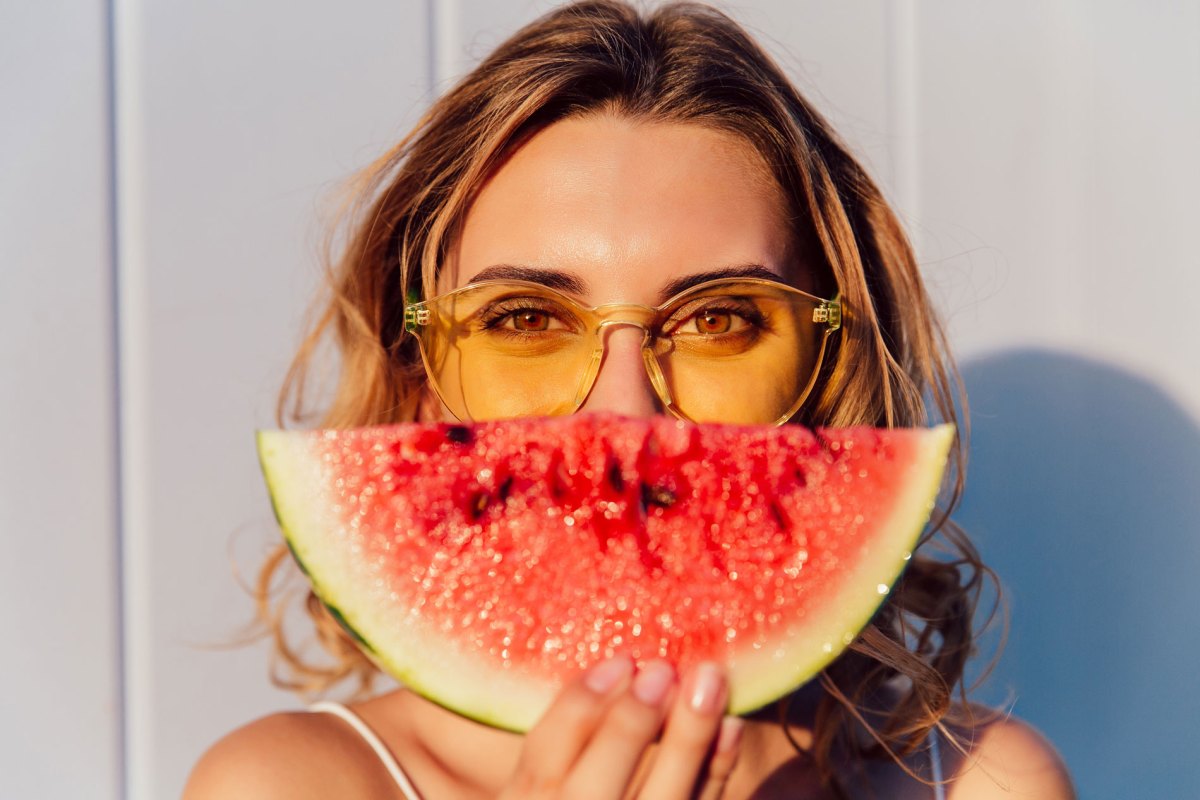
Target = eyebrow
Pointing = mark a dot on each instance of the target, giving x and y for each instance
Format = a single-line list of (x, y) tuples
[(569, 282), (551, 278), (740, 271)]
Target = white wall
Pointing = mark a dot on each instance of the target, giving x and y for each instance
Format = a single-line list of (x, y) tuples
[(60, 658), (152, 286)]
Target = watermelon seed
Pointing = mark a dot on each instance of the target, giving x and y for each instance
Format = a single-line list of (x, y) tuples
[(560, 479), (459, 434), (479, 503), (505, 488), (615, 477), (777, 513), (659, 496)]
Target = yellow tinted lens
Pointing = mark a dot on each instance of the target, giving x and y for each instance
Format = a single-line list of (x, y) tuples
[(731, 351), (506, 351), (739, 352)]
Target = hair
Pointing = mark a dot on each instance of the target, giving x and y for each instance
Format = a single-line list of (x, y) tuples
[(683, 63)]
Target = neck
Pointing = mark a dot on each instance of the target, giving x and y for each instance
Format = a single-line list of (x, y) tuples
[(477, 759)]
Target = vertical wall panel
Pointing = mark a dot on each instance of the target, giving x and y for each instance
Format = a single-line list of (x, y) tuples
[(239, 124), (997, 166), (1138, 83), (60, 703), (1059, 169), (1058, 172)]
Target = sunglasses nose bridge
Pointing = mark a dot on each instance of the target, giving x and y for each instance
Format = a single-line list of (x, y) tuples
[(617, 391), (624, 314), (632, 316), (614, 316)]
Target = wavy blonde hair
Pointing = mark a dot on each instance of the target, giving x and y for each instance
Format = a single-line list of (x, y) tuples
[(684, 63)]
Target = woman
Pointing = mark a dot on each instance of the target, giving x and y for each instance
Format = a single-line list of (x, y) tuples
[(618, 159)]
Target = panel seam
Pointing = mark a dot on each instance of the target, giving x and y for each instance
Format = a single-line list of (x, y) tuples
[(115, 394)]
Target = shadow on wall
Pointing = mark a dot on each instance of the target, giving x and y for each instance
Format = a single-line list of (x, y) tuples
[(1083, 493)]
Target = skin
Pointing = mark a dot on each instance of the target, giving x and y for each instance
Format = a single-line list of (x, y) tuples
[(624, 209)]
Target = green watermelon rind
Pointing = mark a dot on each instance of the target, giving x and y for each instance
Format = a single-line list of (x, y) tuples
[(428, 664), (427, 656), (882, 568)]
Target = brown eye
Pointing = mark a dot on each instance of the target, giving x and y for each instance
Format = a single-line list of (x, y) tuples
[(531, 321), (712, 322)]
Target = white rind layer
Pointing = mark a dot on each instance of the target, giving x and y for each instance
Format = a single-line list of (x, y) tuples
[(404, 647), (759, 677), (508, 698)]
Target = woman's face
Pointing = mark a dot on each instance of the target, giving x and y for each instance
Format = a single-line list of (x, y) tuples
[(612, 210)]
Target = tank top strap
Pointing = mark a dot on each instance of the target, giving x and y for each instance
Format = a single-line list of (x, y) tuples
[(935, 766), (370, 737)]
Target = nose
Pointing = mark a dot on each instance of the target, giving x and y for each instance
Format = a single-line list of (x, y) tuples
[(622, 386)]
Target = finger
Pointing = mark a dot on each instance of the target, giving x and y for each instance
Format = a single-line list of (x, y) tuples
[(610, 758), (690, 735), (553, 745), (724, 759)]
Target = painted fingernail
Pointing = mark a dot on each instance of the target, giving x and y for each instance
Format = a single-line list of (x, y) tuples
[(730, 734), (706, 694), (607, 674), (652, 682)]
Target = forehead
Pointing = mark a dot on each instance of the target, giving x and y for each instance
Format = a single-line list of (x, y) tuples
[(626, 206)]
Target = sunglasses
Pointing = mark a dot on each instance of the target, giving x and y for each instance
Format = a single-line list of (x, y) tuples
[(742, 350)]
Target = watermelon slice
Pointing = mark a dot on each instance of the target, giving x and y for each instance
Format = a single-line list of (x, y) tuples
[(483, 565)]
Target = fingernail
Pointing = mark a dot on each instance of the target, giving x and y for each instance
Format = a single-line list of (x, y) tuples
[(730, 734), (706, 694), (604, 676), (652, 682)]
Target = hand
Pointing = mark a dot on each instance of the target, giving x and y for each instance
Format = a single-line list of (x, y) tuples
[(590, 741)]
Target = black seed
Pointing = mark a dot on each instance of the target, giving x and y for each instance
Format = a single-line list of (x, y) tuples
[(801, 478), (659, 496), (505, 488), (479, 504), (778, 514), (560, 480), (459, 434), (615, 477)]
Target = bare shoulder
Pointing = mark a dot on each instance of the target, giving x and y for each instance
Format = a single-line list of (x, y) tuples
[(1009, 758), (295, 755)]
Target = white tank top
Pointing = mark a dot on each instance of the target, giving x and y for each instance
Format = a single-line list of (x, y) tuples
[(368, 735), (410, 792)]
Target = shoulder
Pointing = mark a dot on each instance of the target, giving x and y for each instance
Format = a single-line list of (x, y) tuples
[(1008, 758), (294, 755)]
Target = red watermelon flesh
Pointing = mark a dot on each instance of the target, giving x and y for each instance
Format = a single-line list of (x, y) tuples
[(482, 565)]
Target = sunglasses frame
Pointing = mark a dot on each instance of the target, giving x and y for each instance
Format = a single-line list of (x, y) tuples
[(825, 312)]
